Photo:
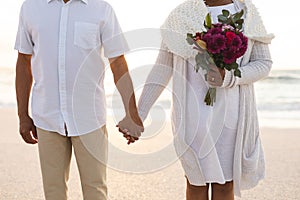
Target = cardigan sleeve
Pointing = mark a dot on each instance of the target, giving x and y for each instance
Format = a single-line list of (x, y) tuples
[(156, 82), (258, 67)]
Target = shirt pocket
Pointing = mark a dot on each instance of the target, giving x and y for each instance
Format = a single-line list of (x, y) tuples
[(86, 35)]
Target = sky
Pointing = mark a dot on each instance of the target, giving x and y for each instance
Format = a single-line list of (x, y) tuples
[(280, 18)]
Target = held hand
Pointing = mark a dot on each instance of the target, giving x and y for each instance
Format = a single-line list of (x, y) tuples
[(131, 128), (28, 130), (215, 76)]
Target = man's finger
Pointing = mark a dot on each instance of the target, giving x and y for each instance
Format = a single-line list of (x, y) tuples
[(34, 132), (27, 137), (131, 140), (136, 138)]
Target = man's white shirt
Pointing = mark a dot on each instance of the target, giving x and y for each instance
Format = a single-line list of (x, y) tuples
[(66, 41)]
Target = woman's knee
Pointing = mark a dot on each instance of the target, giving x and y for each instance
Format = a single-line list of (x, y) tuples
[(223, 188), (196, 188)]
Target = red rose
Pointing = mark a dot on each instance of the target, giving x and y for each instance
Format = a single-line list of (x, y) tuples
[(230, 35)]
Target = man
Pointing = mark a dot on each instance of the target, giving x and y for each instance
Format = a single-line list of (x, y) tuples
[(59, 44)]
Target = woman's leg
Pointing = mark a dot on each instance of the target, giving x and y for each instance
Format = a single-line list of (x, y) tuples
[(196, 192), (222, 191)]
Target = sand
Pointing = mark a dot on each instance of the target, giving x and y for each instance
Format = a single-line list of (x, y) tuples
[(20, 176)]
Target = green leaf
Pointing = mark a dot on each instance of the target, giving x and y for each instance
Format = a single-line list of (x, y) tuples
[(239, 26), (201, 61), (232, 21), (231, 66), (198, 58), (222, 18), (234, 65), (190, 40), (208, 21), (189, 35), (238, 15), (197, 67), (240, 21), (242, 13), (204, 24), (210, 60), (225, 13), (237, 73)]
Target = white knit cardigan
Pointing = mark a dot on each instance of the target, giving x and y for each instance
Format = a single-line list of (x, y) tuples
[(249, 165)]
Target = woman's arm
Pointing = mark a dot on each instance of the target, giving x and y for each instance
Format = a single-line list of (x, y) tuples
[(258, 67), (156, 82)]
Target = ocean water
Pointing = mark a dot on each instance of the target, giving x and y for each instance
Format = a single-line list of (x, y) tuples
[(7, 87), (278, 99), (277, 96)]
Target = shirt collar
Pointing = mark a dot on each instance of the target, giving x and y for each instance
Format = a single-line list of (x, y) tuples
[(84, 1)]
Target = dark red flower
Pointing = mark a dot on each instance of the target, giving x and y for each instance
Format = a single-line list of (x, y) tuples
[(229, 56), (215, 30), (244, 45), (230, 35), (215, 43), (236, 42)]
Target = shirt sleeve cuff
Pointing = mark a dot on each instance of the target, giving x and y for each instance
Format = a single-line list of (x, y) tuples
[(23, 50), (227, 79)]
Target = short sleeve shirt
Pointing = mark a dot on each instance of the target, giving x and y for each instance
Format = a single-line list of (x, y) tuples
[(66, 41)]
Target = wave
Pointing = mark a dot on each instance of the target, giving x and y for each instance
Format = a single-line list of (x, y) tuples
[(7, 105), (281, 75), (289, 78)]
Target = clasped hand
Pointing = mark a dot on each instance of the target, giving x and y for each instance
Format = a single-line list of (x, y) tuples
[(131, 127)]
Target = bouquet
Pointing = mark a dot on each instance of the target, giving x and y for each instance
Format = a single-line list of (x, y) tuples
[(221, 44)]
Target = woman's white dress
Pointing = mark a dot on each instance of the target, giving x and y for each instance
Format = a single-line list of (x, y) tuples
[(217, 164)]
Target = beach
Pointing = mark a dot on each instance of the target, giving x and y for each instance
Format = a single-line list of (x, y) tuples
[(20, 177)]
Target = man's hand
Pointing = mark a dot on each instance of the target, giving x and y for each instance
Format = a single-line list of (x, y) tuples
[(131, 127), (28, 130), (215, 76)]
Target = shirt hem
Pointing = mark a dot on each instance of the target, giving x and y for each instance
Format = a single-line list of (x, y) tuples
[(70, 135), (89, 131)]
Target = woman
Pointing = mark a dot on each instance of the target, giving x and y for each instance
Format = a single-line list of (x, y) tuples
[(217, 145)]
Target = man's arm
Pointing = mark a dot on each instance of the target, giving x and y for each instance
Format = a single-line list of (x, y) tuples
[(122, 79), (23, 89)]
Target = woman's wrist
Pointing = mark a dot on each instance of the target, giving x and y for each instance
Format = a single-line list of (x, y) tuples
[(227, 79)]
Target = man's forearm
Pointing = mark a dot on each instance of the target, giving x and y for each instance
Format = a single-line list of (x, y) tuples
[(124, 85), (23, 84)]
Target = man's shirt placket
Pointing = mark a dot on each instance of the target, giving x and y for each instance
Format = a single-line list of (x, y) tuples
[(62, 63)]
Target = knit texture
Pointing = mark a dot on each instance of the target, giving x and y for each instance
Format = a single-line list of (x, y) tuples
[(189, 16), (249, 166)]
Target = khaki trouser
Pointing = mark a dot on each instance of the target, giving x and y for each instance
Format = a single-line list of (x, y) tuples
[(91, 156)]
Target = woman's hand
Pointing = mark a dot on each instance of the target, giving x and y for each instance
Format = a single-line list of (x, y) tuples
[(215, 76), (131, 127)]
